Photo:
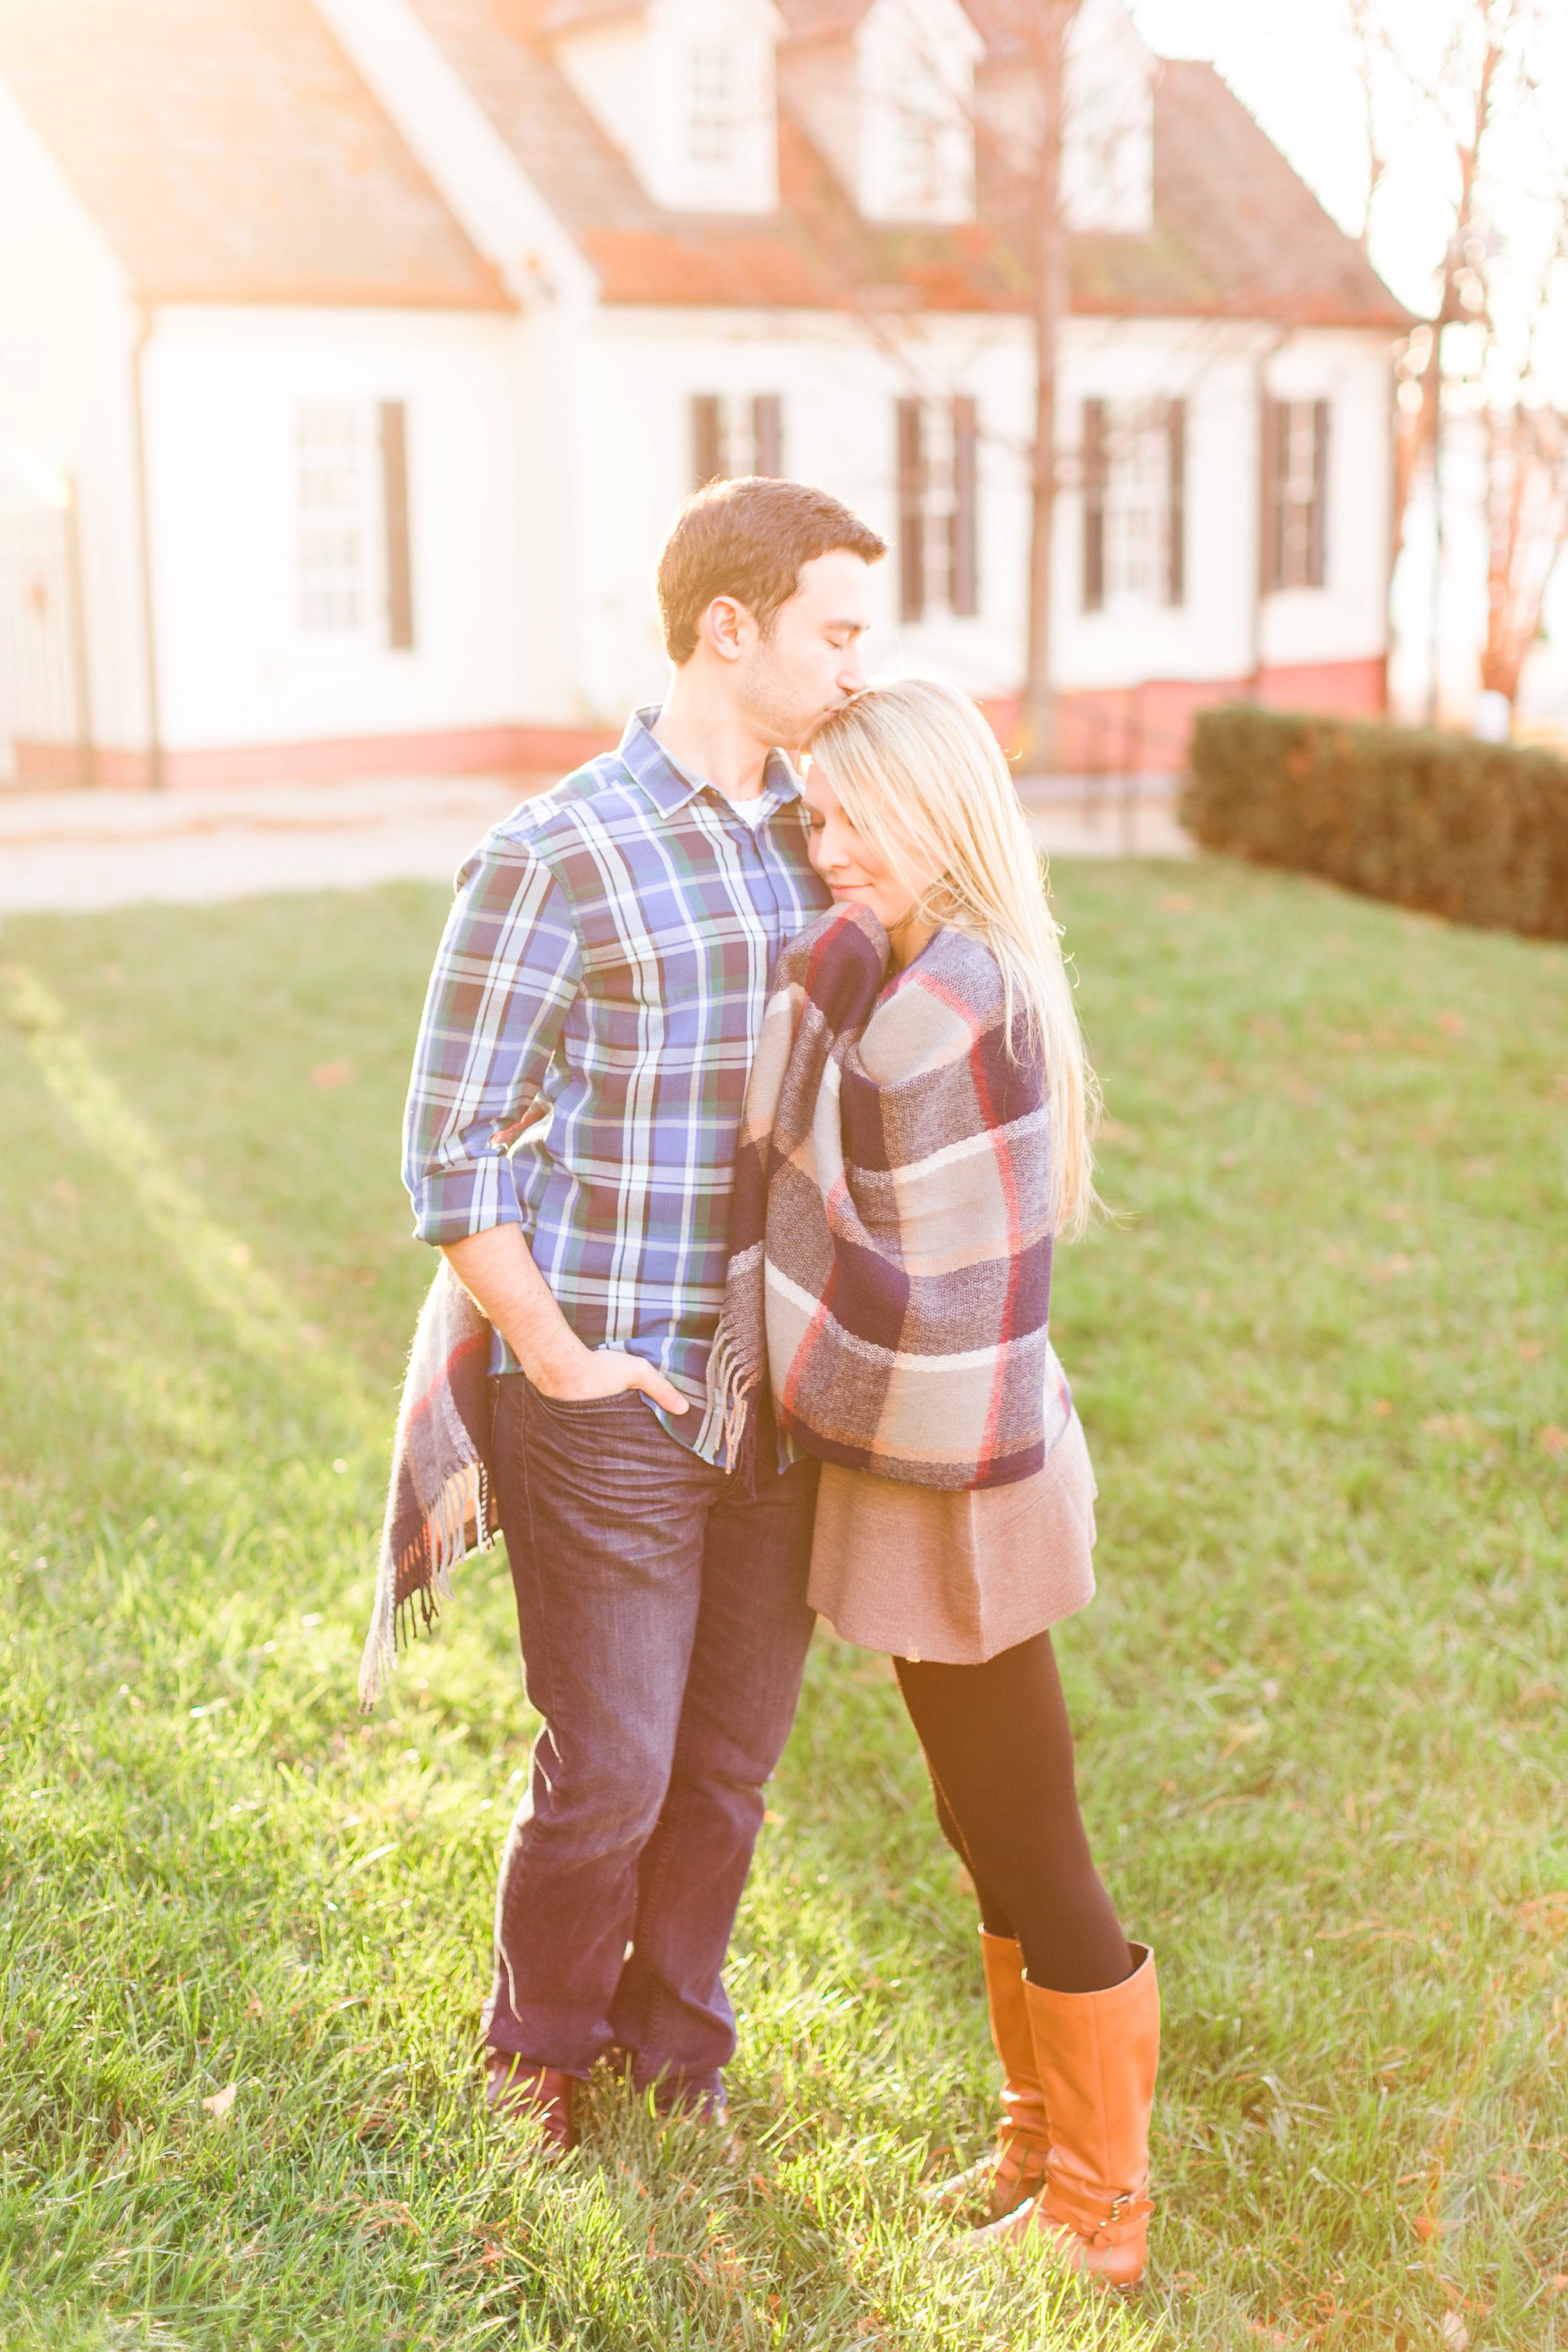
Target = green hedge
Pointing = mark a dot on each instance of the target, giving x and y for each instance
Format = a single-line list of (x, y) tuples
[(1478, 832)]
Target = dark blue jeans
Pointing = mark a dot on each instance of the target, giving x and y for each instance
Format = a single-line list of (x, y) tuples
[(664, 1628)]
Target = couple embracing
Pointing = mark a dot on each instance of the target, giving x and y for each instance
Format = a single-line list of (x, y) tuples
[(745, 1111)]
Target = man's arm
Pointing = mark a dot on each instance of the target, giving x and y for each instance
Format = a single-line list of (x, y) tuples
[(505, 975), (497, 1270)]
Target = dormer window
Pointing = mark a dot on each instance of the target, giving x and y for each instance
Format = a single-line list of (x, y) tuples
[(1108, 138), (916, 71), (713, 120), (685, 89), (922, 110)]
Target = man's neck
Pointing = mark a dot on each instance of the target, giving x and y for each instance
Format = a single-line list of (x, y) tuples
[(710, 740)]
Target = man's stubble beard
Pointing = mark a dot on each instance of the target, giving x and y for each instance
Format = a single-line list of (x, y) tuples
[(768, 703)]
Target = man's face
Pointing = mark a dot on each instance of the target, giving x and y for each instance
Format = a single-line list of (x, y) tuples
[(809, 663)]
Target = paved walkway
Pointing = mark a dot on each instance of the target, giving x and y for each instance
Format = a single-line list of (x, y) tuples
[(77, 851)]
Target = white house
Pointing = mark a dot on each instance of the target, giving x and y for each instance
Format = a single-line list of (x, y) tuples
[(354, 356)]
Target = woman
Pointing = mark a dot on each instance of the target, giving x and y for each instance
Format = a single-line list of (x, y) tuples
[(915, 1135)]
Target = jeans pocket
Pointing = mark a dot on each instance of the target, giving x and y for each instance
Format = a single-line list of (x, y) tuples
[(575, 1406)]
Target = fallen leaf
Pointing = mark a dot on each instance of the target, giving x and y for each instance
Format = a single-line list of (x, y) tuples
[(1544, 1914), (1528, 1350), (1452, 1024), (1381, 1409), (1241, 1735), (1175, 902), (1455, 2334), (1552, 1440), (330, 1074), (221, 2100), (386, 2213)]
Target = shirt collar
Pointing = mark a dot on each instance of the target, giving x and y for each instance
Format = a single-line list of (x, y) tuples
[(668, 786)]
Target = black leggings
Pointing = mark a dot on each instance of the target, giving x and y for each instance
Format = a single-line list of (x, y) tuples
[(999, 1749)]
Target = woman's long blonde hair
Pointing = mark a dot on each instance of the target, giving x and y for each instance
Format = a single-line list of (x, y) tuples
[(921, 776)]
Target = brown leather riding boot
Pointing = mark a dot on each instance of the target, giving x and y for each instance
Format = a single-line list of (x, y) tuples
[(538, 2097), (1012, 2174), (1097, 2054)]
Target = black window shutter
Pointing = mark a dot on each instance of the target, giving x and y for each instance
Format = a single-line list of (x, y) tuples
[(1093, 505), (963, 569), (1176, 518), (767, 433), (912, 511), (1317, 543), (707, 438), (1271, 495), (399, 554)]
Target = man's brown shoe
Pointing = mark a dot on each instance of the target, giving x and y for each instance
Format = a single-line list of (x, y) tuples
[(537, 2097)]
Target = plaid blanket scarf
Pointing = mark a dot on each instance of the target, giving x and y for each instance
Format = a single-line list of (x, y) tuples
[(440, 1506), (891, 1248)]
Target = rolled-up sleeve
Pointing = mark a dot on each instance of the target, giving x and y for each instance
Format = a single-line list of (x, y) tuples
[(507, 968)]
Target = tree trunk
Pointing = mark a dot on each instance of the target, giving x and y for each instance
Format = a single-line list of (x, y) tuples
[(1053, 292), (1527, 515)]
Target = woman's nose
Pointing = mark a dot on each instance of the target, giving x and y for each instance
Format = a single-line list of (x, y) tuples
[(826, 850)]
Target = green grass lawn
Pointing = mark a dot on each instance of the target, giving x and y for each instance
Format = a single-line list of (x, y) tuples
[(1319, 1698)]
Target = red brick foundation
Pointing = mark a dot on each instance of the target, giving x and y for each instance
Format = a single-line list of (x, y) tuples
[(1114, 729), (1128, 729)]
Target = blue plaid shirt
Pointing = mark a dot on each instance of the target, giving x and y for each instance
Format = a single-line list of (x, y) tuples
[(603, 974)]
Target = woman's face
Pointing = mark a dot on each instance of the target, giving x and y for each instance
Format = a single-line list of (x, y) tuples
[(847, 862)]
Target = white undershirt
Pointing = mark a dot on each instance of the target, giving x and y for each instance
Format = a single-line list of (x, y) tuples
[(752, 811)]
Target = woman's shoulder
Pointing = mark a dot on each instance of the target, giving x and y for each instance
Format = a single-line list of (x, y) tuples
[(958, 972), (947, 1010), (935, 1012)]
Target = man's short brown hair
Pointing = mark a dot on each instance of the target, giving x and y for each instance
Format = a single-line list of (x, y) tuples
[(747, 539)]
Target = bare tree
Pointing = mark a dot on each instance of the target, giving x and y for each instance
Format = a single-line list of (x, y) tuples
[(1526, 444), (1527, 518), (1020, 144)]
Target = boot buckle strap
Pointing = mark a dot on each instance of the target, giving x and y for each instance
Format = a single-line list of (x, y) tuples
[(1127, 2211), (1095, 2224)]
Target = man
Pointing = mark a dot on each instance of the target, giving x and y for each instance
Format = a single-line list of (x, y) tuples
[(601, 982)]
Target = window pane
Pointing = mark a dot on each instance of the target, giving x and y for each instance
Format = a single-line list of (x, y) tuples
[(1135, 490), (714, 118), (334, 494)]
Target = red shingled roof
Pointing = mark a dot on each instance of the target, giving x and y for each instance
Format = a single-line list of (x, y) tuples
[(1236, 233), (229, 153)]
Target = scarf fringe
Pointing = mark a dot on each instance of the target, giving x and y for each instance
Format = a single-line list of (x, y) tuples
[(420, 1577), (732, 1389)]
